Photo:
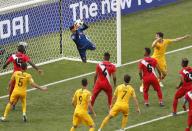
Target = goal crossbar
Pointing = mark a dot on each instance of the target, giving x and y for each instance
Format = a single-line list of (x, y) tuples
[(20, 5)]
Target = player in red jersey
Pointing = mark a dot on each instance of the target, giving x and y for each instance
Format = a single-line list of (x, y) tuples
[(188, 98), (17, 59), (147, 74), (185, 84), (104, 71), (20, 57)]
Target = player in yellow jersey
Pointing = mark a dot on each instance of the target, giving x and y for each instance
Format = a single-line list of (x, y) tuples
[(122, 95), (22, 79), (82, 101), (160, 46)]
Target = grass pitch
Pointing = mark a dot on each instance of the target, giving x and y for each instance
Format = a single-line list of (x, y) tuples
[(52, 111)]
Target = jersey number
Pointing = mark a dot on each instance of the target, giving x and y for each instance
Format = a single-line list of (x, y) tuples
[(18, 61), (104, 72), (80, 99), (189, 76), (20, 83), (149, 68), (125, 92)]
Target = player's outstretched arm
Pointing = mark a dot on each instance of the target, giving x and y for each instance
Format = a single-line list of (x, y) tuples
[(40, 71), (181, 38), (33, 84), (136, 104)]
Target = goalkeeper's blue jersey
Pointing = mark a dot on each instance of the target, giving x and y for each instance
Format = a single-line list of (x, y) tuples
[(80, 39)]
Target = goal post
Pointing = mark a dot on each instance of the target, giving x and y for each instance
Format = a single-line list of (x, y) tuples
[(118, 18), (44, 25)]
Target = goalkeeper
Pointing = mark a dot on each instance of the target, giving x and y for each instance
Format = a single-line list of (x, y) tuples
[(82, 42)]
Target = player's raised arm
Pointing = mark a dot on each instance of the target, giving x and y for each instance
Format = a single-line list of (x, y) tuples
[(79, 24), (181, 38), (155, 42), (40, 71), (84, 26), (158, 39)]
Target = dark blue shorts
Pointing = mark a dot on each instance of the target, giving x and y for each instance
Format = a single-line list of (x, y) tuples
[(82, 52)]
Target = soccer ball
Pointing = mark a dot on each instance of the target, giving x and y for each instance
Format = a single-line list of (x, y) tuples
[(78, 22)]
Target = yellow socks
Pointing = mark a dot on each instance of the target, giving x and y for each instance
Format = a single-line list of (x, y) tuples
[(7, 110), (124, 122), (105, 121)]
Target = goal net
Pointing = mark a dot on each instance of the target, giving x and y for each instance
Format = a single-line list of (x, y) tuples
[(44, 25)]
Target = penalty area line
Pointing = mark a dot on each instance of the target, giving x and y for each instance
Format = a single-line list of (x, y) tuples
[(153, 120), (91, 73)]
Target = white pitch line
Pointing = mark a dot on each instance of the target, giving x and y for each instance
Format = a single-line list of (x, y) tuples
[(180, 49), (151, 121), (90, 73)]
